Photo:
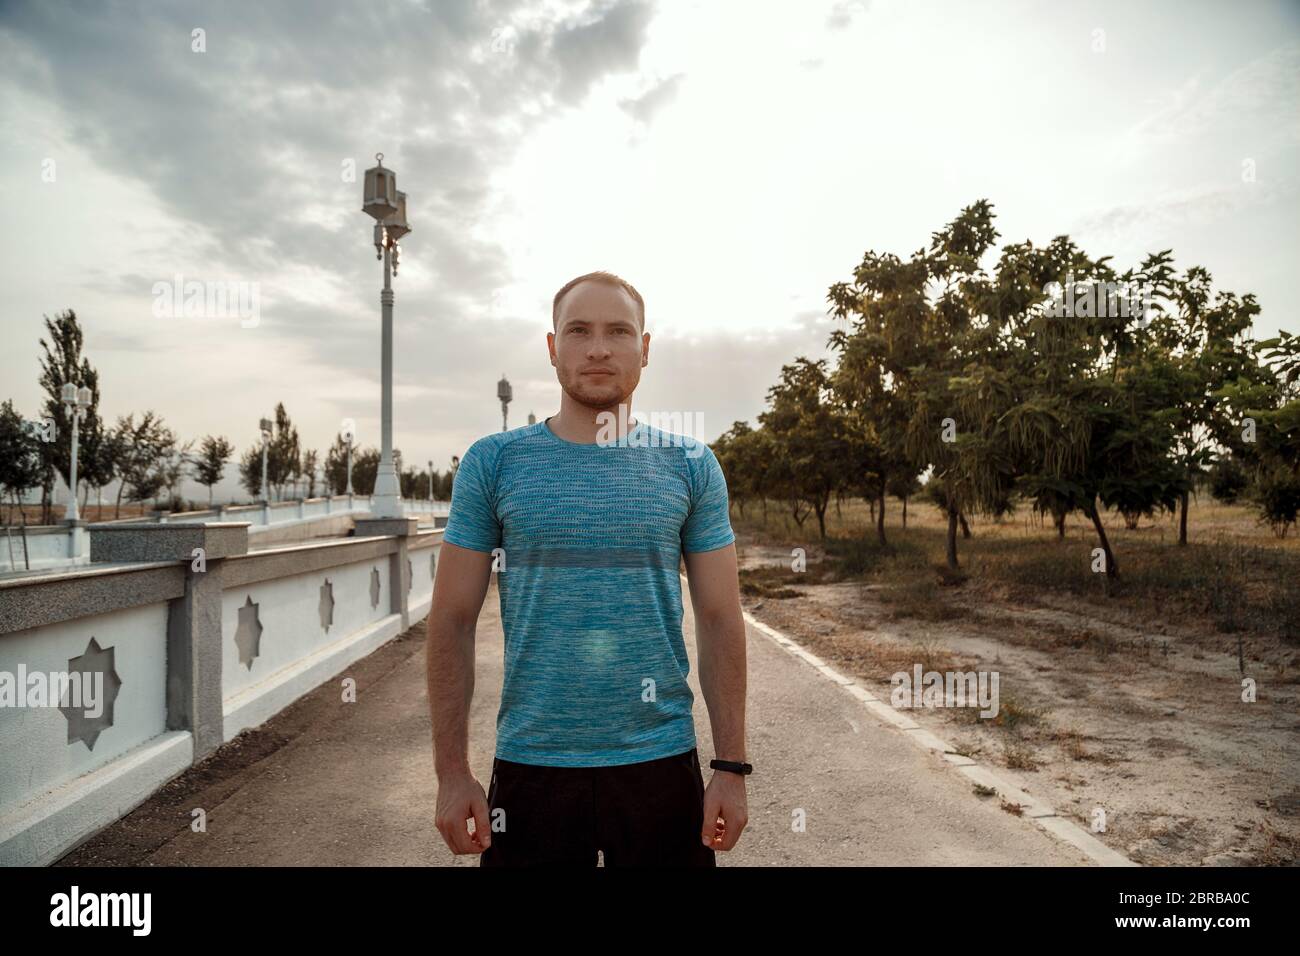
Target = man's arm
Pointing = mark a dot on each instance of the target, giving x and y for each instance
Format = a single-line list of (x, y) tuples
[(720, 640), (459, 587)]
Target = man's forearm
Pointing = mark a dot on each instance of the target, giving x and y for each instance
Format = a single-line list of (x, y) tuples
[(450, 674), (721, 646)]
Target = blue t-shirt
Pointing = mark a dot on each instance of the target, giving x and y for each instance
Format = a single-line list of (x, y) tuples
[(591, 537)]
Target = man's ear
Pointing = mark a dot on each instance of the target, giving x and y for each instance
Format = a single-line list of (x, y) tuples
[(645, 349), (550, 346)]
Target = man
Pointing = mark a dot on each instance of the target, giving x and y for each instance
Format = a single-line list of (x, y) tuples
[(587, 516)]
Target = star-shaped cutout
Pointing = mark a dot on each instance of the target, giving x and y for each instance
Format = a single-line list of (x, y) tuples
[(94, 661), (326, 605), (374, 587), (248, 635)]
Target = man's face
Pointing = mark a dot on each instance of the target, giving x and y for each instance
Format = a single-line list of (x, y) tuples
[(598, 348)]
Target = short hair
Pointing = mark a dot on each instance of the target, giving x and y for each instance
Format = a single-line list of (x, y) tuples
[(609, 279)]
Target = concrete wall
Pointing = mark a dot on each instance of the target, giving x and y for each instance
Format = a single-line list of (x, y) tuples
[(199, 655)]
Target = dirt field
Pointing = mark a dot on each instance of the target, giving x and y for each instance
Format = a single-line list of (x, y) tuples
[(1125, 698)]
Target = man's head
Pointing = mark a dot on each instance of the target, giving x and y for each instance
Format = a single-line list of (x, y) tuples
[(599, 344)]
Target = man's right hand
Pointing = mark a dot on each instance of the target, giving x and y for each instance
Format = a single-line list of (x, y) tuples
[(460, 798)]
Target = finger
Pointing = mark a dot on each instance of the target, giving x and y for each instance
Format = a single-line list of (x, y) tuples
[(460, 831), (482, 827), (712, 806), (734, 826)]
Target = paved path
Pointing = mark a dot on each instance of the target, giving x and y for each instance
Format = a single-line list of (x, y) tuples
[(338, 784)]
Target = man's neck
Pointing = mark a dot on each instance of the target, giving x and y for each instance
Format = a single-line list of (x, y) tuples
[(587, 425)]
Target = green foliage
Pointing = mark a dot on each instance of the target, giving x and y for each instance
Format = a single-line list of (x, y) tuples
[(979, 378)]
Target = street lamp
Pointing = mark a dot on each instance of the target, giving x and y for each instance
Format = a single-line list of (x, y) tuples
[(78, 401), (505, 393), (266, 426), (347, 433), (431, 481), (382, 201)]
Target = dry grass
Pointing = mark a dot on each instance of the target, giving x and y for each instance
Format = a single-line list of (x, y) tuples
[(1234, 575)]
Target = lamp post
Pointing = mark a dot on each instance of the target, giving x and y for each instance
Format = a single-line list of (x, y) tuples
[(348, 435), (387, 207), (430, 481), (77, 400), (266, 426), (505, 393)]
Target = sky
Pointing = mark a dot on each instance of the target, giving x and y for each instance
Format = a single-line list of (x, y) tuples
[(732, 160)]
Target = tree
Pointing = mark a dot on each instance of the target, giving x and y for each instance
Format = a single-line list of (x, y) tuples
[(310, 462), (210, 463), (1267, 434), (144, 451), (20, 460), (365, 466), (809, 435), (283, 460), (62, 363)]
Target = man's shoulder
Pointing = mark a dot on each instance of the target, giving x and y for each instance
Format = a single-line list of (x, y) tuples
[(695, 452), (490, 446)]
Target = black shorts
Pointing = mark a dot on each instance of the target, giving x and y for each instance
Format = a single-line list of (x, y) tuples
[(638, 814)]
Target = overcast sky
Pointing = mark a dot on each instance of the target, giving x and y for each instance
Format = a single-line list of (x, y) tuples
[(730, 159)]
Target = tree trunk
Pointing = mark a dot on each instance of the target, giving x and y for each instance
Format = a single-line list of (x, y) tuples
[(1112, 569), (1059, 520), (880, 518), (965, 528), (1182, 519), (952, 539), (117, 508), (821, 518), (872, 502), (904, 512)]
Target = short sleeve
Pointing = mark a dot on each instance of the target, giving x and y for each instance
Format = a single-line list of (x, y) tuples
[(473, 521), (708, 525)]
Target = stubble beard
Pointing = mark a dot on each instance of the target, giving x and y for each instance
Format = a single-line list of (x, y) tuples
[(601, 399)]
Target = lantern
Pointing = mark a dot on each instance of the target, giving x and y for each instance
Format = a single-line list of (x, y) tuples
[(396, 224), (380, 197)]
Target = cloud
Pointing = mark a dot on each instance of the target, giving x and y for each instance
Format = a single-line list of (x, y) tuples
[(643, 108), (844, 12)]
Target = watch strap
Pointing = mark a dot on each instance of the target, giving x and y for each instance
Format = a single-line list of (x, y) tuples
[(732, 765)]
